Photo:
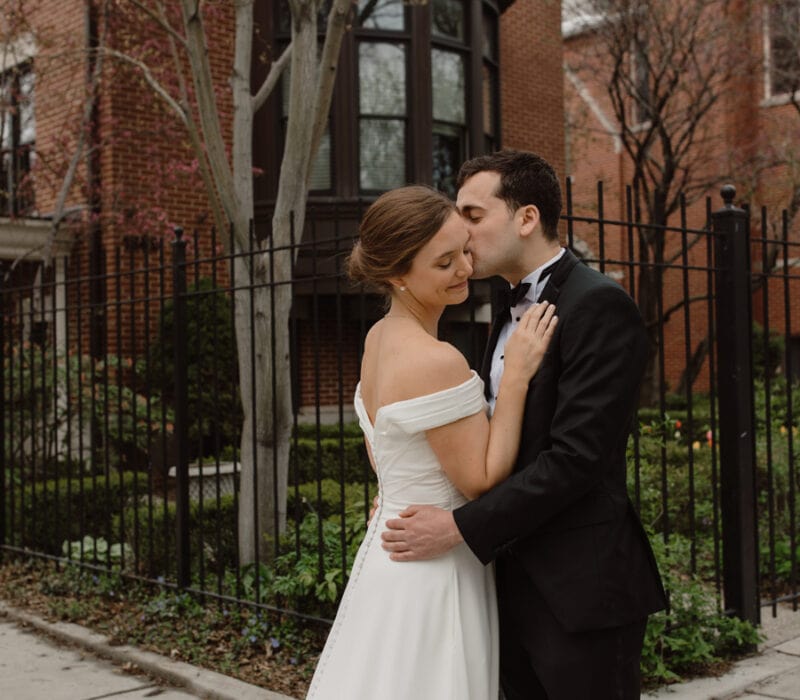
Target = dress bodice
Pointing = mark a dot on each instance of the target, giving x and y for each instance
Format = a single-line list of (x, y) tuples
[(407, 468)]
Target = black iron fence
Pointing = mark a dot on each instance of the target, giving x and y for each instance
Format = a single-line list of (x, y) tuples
[(121, 413)]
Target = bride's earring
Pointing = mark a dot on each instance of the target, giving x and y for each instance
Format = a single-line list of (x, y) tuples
[(402, 289)]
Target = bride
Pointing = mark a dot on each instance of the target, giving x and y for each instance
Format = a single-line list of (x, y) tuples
[(424, 630)]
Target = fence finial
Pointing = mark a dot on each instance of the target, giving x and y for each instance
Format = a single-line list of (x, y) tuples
[(178, 232), (728, 193)]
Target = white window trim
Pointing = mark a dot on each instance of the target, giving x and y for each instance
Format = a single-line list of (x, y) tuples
[(17, 52), (577, 18), (27, 239), (585, 94)]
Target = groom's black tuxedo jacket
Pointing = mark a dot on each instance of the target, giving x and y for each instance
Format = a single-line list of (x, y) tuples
[(564, 513)]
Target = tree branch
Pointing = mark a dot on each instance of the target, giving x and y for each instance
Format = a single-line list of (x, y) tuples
[(326, 75), (275, 72), (196, 140), (207, 107), (157, 87), (161, 20)]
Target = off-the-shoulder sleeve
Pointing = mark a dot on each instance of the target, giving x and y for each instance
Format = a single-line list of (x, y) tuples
[(440, 408), (361, 412)]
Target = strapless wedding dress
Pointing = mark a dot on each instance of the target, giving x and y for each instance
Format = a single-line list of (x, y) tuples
[(413, 630)]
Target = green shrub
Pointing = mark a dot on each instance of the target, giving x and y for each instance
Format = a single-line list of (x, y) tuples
[(52, 396), (339, 460), (663, 456), (306, 498), (694, 633), (151, 536), (309, 431), (310, 574), (40, 516), (212, 368)]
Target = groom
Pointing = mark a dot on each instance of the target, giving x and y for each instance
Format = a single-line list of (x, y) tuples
[(576, 577)]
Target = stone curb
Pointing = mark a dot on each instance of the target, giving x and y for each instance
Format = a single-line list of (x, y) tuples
[(201, 682)]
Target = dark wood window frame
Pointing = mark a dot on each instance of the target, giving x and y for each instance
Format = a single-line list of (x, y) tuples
[(417, 36)]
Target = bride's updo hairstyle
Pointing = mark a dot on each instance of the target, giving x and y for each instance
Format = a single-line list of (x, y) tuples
[(394, 228)]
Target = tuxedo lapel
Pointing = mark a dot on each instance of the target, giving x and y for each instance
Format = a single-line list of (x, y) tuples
[(557, 278)]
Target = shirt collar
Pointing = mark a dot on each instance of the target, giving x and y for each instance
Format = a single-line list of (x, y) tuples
[(533, 277)]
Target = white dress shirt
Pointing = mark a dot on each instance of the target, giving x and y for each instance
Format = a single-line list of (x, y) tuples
[(532, 295)]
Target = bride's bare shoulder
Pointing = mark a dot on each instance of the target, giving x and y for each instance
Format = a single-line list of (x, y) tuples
[(413, 363)]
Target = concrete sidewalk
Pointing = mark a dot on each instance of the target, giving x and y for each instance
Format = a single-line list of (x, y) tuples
[(42, 660)]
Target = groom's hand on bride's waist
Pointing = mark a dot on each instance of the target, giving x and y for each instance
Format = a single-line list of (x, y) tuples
[(421, 532)]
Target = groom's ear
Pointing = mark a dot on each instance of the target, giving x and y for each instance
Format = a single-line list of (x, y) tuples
[(530, 219)]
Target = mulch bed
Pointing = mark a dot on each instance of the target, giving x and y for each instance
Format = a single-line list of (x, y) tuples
[(276, 654)]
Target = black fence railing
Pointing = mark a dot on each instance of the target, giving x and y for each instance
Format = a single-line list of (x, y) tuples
[(128, 454)]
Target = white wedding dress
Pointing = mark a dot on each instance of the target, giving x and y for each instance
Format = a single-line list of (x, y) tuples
[(413, 630)]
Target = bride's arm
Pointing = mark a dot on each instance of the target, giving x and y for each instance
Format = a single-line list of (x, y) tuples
[(477, 454)]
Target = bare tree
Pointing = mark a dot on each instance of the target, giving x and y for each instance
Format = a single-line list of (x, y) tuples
[(665, 67), (193, 96)]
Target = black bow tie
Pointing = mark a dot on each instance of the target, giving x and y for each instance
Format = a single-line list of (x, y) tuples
[(517, 294), (512, 297)]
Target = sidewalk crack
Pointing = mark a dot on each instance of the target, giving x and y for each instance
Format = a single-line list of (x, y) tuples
[(117, 693)]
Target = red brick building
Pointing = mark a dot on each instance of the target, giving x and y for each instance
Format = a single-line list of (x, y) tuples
[(748, 137), (420, 88)]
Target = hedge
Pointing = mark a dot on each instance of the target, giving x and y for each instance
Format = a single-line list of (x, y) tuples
[(41, 515)]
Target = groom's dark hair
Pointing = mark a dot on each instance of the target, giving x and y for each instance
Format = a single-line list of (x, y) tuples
[(525, 178)]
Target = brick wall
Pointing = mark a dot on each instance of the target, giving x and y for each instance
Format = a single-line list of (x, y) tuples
[(531, 83), (324, 358)]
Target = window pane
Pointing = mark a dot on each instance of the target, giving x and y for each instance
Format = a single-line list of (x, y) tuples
[(447, 77), (382, 154), (5, 128), (381, 14), (784, 28), (5, 111), (321, 168), (447, 19), (448, 154), (382, 78), (489, 100), (27, 122)]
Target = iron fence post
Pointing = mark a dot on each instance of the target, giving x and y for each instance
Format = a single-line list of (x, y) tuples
[(736, 419), (3, 465), (181, 435)]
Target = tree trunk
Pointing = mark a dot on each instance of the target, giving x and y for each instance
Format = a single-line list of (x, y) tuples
[(264, 378), (651, 289)]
